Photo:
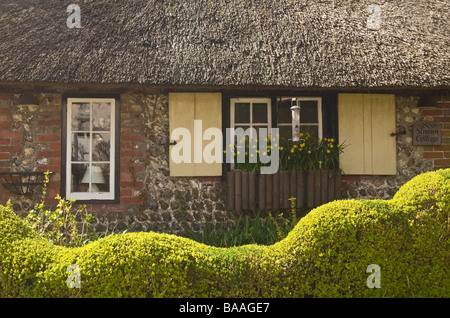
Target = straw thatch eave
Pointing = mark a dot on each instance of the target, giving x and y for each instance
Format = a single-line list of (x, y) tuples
[(288, 43)]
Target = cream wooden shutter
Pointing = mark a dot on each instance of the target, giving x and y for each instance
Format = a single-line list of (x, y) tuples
[(366, 122), (184, 109)]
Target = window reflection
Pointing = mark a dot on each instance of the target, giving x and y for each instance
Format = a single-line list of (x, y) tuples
[(101, 146), (101, 116), (81, 115), (80, 146)]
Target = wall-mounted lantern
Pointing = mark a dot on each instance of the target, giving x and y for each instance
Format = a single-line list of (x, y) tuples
[(295, 120)]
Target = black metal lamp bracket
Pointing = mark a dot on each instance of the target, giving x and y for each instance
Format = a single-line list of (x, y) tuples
[(173, 143)]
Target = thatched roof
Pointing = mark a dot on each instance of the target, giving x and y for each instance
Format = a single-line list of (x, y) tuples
[(293, 43)]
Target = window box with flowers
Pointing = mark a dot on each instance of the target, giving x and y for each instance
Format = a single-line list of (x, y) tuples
[(308, 171)]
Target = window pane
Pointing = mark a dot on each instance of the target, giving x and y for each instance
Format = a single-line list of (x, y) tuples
[(308, 112), (101, 147), (80, 117), (242, 113), (80, 146), (96, 175), (100, 178), (80, 173), (101, 116), (260, 113), (284, 112), (285, 132)]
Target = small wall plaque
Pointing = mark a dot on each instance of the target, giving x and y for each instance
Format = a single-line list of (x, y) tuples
[(427, 133)]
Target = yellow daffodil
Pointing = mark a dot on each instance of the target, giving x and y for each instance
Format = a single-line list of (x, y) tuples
[(309, 151), (292, 150), (328, 151), (281, 148)]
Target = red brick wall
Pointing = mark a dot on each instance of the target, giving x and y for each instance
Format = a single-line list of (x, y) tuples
[(439, 154), (45, 130), (48, 137), (10, 140), (132, 154)]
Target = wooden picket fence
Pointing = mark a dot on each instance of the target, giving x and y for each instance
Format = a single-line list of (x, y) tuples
[(272, 191)]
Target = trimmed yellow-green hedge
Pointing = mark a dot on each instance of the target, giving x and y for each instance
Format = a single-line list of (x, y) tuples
[(325, 255)]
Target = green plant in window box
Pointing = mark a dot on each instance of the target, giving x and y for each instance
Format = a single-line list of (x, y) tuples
[(310, 154), (251, 152)]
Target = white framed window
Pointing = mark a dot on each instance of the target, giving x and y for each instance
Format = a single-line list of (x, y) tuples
[(310, 116), (251, 113), (90, 148)]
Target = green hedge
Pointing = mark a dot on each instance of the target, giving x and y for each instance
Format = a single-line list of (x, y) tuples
[(325, 255)]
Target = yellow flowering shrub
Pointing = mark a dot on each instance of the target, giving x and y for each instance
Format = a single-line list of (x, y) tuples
[(326, 255)]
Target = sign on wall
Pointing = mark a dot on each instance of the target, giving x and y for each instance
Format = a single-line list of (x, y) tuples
[(427, 133)]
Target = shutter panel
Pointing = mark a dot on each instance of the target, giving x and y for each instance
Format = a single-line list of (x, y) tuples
[(351, 126), (365, 124), (181, 115), (184, 109), (384, 146)]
